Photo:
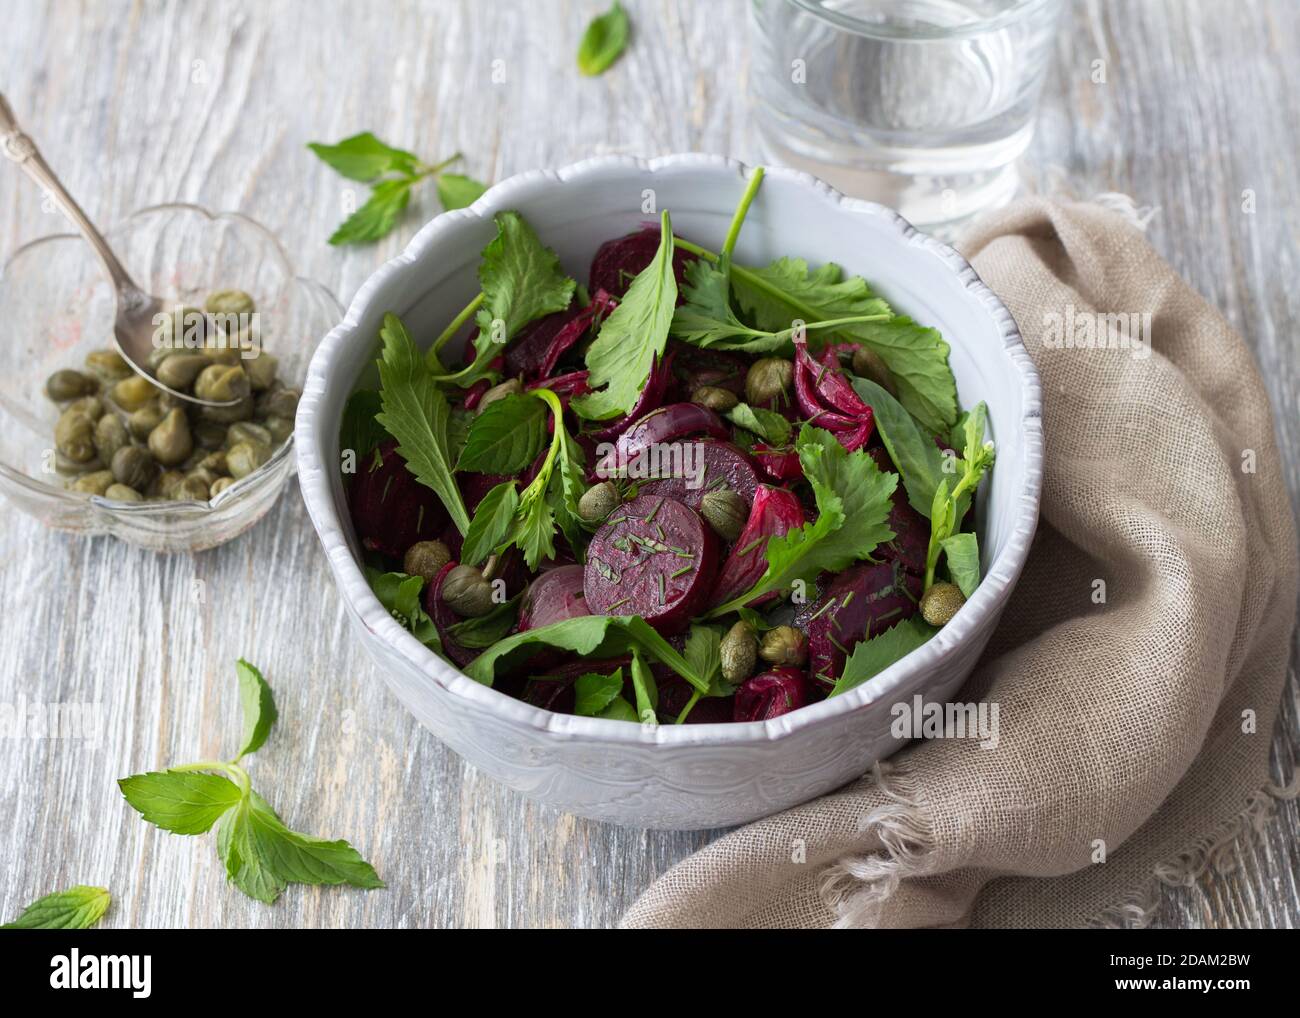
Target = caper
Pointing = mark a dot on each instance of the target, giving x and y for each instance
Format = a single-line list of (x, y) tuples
[(768, 379), (425, 558), (190, 488), (208, 477), (220, 485), (245, 457), (156, 356), (133, 393), (229, 302), (95, 483), (466, 592), (726, 512), (214, 461), (180, 369), (868, 364), (599, 501), (122, 493), (941, 602), (279, 427), (278, 403), (240, 411), (222, 383), (74, 436), (171, 441), (166, 483), (107, 365), (110, 435), (715, 398), (784, 645), (510, 387), (261, 371), (141, 422), (91, 406), (186, 328), (68, 384), (739, 651), (222, 349), (209, 434), (247, 431), (134, 467)]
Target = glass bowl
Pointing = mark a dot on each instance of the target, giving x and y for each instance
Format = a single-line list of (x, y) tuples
[(59, 306)]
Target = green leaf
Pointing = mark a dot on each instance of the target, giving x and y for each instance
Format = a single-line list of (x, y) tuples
[(632, 337), (873, 656), (853, 502), (506, 437), (258, 706), (917, 358), (262, 855), (914, 453), (364, 157), (400, 596), (534, 532), (359, 431), (521, 279), (77, 908), (415, 412), (566, 489), (456, 191), (768, 425), (619, 710), (603, 41), (706, 318), (183, 802), (644, 689), (613, 634), (594, 692), (377, 217), (962, 553), (704, 653), (491, 524), (485, 630)]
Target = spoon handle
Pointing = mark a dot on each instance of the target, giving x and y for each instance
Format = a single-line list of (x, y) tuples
[(22, 150)]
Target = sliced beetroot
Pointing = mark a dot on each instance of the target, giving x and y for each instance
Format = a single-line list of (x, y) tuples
[(554, 596), (651, 398), (675, 693), (391, 510), (475, 393), (474, 487), (444, 618), (540, 344), (775, 512), (911, 529), (780, 465), (553, 694), (828, 400), (639, 447), (654, 558), (717, 465), (566, 386), (861, 602), (618, 261), (771, 694)]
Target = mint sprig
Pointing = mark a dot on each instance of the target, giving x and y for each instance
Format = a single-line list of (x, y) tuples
[(77, 908), (603, 41), (261, 854)]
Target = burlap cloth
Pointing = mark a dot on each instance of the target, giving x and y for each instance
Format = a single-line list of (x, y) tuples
[(1134, 733)]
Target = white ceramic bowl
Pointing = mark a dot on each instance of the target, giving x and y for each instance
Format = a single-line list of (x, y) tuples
[(688, 776)]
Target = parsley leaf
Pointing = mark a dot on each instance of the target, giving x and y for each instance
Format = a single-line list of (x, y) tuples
[(872, 656), (919, 461), (258, 705), (632, 337), (594, 692), (456, 191), (506, 436), (603, 41), (491, 524), (415, 412), (521, 278), (77, 908), (364, 157), (853, 502)]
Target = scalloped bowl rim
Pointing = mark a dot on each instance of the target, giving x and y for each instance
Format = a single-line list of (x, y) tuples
[(988, 597)]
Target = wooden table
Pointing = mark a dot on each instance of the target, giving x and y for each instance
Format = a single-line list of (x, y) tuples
[(149, 102)]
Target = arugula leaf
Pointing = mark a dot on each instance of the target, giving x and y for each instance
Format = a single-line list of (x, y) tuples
[(182, 802), (77, 908), (962, 553), (594, 692), (613, 634), (377, 217), (258, 706), (506, 437), (853, 502), (364, 157), (644, 689), (456, 191), (603, 41), (485, 630), (632, 337), (521, 278), (491, 524), (873, 656), (415, 413), (768, 425), (918, 459)]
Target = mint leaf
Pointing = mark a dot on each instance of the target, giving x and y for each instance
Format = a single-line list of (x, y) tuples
[(485, 630), (918, 459), (632, 337), (871, 657), (603, 41), (377, 217), (415, 413), (183, 802), (258, 706), (521, 278), (962, 553), (853, 502), (400, 596), (263, 856), (644, 689), (491, 524), (768, 425), (77, 908), (594, 692), (364, 157), (456, 191), (506, 437)]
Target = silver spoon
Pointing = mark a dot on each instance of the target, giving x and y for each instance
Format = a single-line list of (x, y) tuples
[(134, 328)]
